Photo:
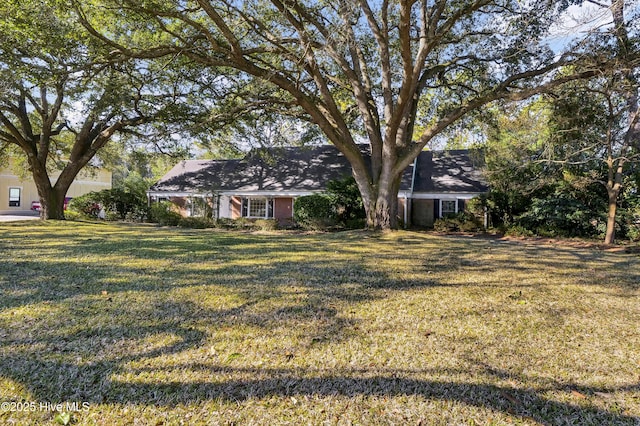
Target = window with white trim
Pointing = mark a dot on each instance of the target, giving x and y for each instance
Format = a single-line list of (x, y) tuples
[(257, 207), (448, 207), (14, 197)]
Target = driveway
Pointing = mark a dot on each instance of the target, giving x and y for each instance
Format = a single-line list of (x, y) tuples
[(19, 216)]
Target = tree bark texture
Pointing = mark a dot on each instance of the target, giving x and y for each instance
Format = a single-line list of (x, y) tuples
[(611, 216)]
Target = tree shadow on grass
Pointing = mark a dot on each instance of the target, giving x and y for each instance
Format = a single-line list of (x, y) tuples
[(95, 341), (94, 384), (523, 403)]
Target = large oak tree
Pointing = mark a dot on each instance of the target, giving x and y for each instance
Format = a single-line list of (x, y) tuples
[(393, 73), (64, 96)]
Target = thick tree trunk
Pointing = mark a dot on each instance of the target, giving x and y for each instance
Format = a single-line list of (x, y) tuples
[(386, 212), (51, 197), (52, 206), (611, 217), (381, 203)]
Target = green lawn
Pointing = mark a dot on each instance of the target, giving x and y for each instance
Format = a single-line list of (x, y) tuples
[(155, 326)]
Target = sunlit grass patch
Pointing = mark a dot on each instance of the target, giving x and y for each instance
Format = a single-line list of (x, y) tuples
[(170, 326)]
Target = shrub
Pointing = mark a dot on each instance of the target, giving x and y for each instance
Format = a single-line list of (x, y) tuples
[(471, 223), (518, 231), (627, 220), (314, 212), (464, 221), (72, 215), (476, 206), (559, 215), (266, 224), (633, 232), (125, 203), (85, 206), (129, 198), (225, 223), (196, 222), (120, 203), (241, 223), (163, 213), (446, 224)]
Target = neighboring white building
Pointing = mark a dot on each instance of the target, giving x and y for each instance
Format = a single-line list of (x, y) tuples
[(17, 195)]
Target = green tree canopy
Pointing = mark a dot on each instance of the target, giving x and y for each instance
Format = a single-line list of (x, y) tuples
[(395, 74), (65, 95)]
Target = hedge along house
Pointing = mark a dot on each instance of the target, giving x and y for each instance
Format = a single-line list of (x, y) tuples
[(265, 183)]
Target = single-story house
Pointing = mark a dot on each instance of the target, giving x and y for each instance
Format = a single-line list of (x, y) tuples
[(265, 183), (19, 194)]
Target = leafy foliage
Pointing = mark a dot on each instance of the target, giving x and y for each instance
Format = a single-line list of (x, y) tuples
[(192, 222), (266, 224), (464, 221), (346, 202), (396, 74), (164, 213), (340, 205), (127, 201), (314, 212), (87, 205), (548, 165), (560, 215)]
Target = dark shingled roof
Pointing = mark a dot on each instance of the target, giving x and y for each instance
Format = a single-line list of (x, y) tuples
[(310, 169), (450, 171)]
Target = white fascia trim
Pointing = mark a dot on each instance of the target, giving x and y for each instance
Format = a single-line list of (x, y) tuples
[(268, 194), (445, 195)]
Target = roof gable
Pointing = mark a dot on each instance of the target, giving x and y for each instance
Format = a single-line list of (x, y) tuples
[(450, 171)]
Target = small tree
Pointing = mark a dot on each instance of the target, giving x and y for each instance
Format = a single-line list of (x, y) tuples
[(603, 115), (594, 136), (515, 149)]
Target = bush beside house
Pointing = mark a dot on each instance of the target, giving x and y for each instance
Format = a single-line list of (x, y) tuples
[(314, 212), (127, 201), (340, 206)]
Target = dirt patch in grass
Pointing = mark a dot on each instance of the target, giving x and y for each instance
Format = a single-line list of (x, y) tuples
[(168, 326)]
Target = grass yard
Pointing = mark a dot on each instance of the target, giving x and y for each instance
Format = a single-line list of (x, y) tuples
[(158, 326)]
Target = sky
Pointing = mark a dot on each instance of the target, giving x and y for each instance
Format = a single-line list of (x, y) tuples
[(579, 20)]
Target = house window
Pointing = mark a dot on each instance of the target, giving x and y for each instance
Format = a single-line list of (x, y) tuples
[(257, 207), (14, 197), (448, 207)]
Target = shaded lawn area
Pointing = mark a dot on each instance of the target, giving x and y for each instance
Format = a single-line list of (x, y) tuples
[(169, 326)]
